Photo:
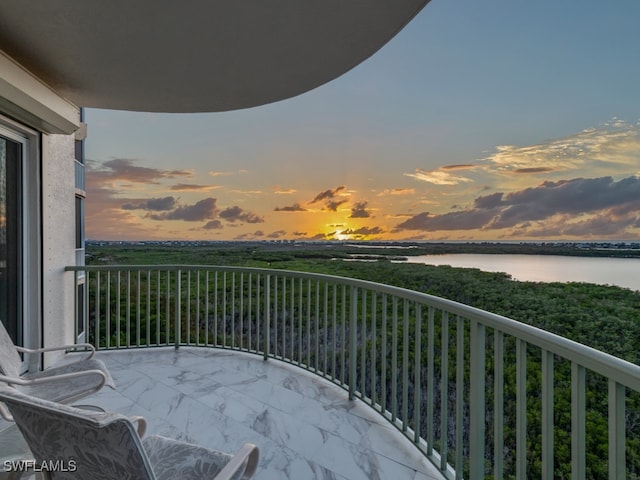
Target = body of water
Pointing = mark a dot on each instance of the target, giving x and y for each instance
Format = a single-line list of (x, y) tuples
[(623, 272)]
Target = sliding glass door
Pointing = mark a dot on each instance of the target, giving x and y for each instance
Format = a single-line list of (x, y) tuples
[(11, 155)]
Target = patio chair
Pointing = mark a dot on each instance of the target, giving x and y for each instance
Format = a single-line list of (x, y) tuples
[(13, 450), (64, 383), (92, 445)]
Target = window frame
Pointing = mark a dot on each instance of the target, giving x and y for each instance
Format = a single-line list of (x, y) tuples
[(30, 234)]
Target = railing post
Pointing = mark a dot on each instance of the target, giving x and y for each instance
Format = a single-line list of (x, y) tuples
[(498, 403), (477, 400), (394, 360), (353, 323), (444, 391), (417, 372), (85, 316), (97, 300), (547, 415), (521, 408), (267, 314), (430, 379), (118, 299), (75, 306), (177, 293), (107, 310), (459, 395), (578, 406), (617, 467)]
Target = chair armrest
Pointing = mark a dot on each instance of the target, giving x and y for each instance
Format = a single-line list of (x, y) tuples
[(91, 349), (4, 413), (88, 408), (54, 378), (248, 453), (142, 425)]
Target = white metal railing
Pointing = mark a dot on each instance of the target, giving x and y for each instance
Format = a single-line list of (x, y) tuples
[(79, 171), (479, 394)]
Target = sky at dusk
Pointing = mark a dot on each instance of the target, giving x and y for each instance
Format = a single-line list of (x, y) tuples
[(493, 120)]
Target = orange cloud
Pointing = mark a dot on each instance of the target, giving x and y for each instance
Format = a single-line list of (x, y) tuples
[(214, 173), (437, 177), (359, 210), (125, 170), (327, 194), (192, 187), (397, 191), (296, 207), (283, 191)]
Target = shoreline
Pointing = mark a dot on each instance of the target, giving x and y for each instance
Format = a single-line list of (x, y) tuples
[(399, 249)]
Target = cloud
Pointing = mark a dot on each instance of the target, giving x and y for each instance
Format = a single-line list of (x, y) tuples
[(105, 219), (192, 187), (397, 191), (283, 191), (247, 192), (465, 166), (213, 225), (610, 149), (156, 204), (575, 197), (615, 145), (202, 210), (334, 204), (489, 201), (359, 210), (213, 173), (110, 215), (363, 231), (328, 197), (237, 214), (250, 236), (277, 234), (322, 236), (115, 224), (466, 220), (438, 177), (603, 224), (534, 170), (296, 207), (299, 234), (125, 170), (576, 207), (327, 194)]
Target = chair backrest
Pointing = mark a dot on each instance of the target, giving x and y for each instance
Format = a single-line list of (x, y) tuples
[(10, 360), (72, 443)]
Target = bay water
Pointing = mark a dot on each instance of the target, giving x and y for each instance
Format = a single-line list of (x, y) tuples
[(622, 272)]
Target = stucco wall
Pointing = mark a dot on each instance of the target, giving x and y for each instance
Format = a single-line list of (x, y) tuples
[(58, 241)]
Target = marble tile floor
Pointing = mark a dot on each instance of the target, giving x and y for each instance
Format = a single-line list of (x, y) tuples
[(305, 427)]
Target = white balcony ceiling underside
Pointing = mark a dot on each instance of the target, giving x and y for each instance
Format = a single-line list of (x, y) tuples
[(195, 56)]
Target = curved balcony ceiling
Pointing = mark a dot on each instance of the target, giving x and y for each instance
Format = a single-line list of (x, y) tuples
[(198, 55)]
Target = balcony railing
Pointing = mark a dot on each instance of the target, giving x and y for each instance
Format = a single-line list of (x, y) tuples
[(479, 394), (79, 170)]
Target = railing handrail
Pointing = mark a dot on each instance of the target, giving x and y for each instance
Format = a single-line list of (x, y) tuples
[(617, 369)]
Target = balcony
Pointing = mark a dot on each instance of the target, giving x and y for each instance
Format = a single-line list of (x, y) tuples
[(518, 402), (304, 426)]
